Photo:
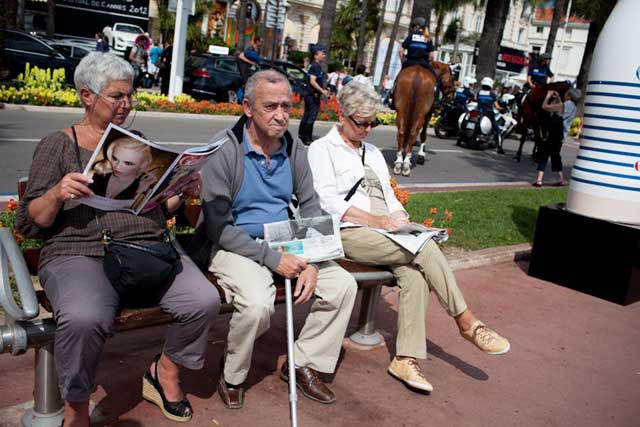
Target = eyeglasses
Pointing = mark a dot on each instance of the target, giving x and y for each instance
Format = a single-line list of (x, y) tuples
[(365, 125), (120, 99)]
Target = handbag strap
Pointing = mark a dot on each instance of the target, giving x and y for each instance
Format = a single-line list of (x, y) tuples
[(357, 184)]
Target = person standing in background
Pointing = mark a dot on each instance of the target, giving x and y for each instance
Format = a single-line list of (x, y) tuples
[(154, 55), (312, 102), (165, 67)]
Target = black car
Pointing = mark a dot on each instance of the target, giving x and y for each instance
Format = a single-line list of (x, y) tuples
[(214, 77), (296, 75), (21, 48)]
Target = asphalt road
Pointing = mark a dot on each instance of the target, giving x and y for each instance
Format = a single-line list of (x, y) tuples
[(21, 130)]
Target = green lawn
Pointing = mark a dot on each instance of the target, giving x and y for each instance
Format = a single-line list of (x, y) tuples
[(486, 218)]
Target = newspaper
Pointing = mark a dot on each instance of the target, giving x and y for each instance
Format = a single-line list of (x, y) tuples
[(315, 239), (133, 174), (414, 236)]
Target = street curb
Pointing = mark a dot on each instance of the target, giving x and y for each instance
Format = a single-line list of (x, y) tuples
[(490, 256)]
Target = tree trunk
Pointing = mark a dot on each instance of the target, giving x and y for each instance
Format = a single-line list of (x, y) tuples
[(558, 10), (494, 22), (376, 47), (51, 18), (583, 75), (326, 22), (11, 10), (392, 39), (422, 8), (20, 15), (439, 23), (242, 24), (364, 14)]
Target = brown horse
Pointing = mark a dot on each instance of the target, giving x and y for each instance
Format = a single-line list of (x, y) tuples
[(530, 112), (414, 98)]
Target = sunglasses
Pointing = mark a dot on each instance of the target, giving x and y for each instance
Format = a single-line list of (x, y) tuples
[(365, 125)]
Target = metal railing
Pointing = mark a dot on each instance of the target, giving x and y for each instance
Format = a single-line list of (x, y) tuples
[(23, 331)]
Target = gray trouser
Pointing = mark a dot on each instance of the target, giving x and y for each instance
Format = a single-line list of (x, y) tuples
[(85, 304)]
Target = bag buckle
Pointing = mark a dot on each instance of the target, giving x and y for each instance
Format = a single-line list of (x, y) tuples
[(106, 237)]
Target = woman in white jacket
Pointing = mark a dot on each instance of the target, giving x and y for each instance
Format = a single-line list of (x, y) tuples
[(352, 180)]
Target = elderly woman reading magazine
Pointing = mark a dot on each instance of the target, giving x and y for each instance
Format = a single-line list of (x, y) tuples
[(71, 265), (352, 180)]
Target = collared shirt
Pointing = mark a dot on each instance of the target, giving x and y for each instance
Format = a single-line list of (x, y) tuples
[(337, 167), (266, 189), (540, 73), (315, 69)]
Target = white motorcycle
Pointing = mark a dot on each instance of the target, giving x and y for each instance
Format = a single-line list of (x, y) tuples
[(476, 129)]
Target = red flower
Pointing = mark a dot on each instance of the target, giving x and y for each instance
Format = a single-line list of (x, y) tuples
[(428, 222), (433, 211), (12, 205), (19, 237)]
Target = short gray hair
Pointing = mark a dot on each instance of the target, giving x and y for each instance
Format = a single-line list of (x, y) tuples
[(358, 98), (270, 76), (575, 94), (99, 68)]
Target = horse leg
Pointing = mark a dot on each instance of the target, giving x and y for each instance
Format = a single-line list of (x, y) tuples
[(406, 164), (423, 141), (397, 165)]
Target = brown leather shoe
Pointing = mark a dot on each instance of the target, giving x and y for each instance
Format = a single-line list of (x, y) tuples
[(232, 397), (309, 383)]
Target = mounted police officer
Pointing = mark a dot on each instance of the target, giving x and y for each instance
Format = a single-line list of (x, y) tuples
[(540, 73), (487, 101)]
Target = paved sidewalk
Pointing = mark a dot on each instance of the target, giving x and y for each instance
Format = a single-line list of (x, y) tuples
[(573, 361)]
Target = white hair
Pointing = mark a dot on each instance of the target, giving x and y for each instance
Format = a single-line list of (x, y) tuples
[(359, 99), (99, 68)]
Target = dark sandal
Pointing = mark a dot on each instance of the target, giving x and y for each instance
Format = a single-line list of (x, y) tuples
[(537, 184), (152, 391)]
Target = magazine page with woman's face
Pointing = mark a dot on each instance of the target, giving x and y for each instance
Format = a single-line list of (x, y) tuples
[(125, 170)]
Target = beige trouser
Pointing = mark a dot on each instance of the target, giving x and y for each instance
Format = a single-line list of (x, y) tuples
[(416, 275), (249, 287)]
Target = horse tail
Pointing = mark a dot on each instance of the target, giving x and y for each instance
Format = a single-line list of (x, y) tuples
[(413, 115)]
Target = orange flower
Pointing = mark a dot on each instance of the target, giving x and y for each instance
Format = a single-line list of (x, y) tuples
[(448, 216), (428, 222), (433, 211), (19, 237), (394, 183), (449, 230), (12, 205)]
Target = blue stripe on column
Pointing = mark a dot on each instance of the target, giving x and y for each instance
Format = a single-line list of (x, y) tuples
[(606, 162), (621, 119), (604, 150), (636, 132), (611, 141), (617, 107), (612, 83), (614, 95), (604, 184), (617, 175)]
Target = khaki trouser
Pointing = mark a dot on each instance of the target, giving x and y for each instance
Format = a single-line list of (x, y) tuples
[(416, 275), (249, 287)]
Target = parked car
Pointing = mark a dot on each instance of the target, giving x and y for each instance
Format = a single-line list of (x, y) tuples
[(72, 50), (21, 48), (296, 75), (122, 35), (213, 77)]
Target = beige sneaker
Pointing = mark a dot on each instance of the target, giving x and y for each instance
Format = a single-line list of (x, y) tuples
[(408, 371), (486, 339)]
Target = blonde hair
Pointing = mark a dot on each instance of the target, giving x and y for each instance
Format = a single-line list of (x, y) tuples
[(103, 167), (426, 34), (360, 99)]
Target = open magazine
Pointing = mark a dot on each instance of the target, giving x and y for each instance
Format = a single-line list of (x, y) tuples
[(133, 174), (316, 239), (414, 236)]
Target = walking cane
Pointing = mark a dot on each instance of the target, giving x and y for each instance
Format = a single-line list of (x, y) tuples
[(293, 397)]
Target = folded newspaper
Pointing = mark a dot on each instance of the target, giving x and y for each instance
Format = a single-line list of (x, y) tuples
[(133, 174), (315, 239), (414, 236)]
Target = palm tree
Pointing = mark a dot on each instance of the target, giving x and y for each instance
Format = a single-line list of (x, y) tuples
[(558, 10), (241, 12), (442, 7), (376, 47), (364, 12), (494, 21), (597, 11), (326, 23), (422, 8), (392, 39)]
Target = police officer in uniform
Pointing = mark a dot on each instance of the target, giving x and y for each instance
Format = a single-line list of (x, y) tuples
[(487, 101), (312, 100), (464, 94), (540, 73)]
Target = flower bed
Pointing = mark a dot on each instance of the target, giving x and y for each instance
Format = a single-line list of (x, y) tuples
[(46, 87)]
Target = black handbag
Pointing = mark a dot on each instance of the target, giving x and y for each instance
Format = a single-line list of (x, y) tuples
[(140, 273)]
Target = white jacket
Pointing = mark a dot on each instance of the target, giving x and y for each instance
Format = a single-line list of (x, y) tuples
[(336, 168)]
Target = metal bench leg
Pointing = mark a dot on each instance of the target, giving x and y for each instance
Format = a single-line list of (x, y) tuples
[(48, 407), (366, 334)]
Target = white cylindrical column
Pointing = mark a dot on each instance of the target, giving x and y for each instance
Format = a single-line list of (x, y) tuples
[(605, 182)]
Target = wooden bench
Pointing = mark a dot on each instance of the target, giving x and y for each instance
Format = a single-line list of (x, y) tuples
[(38, 334)]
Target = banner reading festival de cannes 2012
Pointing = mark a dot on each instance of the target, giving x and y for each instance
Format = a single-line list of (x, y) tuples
[(131, 8)]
